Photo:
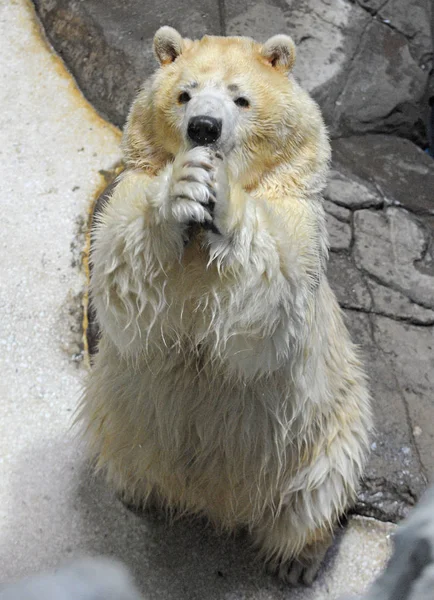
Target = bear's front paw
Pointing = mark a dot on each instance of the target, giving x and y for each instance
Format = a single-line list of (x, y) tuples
[(192, 194)]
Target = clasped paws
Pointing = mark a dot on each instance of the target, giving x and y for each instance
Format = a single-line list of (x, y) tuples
[(192, 190)]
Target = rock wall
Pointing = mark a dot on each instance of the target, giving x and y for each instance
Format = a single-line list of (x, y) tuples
[(367, 62)]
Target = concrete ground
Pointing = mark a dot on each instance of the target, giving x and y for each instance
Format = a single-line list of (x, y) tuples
[(53, 147)]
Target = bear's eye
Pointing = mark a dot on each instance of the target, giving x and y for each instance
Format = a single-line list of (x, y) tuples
[(184, 97), (243, 102)]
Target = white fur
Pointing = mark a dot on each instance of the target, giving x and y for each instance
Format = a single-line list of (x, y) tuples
[(242, 400), (225, 382)]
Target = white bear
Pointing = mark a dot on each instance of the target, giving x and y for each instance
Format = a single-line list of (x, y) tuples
[(225, 382)]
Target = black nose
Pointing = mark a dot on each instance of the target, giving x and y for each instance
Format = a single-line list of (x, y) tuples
[(204, 130)]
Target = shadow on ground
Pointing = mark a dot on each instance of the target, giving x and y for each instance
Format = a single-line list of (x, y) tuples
[(62, 511)]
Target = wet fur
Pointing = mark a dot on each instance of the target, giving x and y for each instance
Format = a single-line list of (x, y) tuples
[(226, 383)]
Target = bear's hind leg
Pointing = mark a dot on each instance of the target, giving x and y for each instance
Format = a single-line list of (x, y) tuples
[(294, 538), (290, 548), (305, 567), (144, 501)]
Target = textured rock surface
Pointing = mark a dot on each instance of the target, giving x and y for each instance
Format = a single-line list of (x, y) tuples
[(366, 62), (107, 45), (350, 191), (390, 245), (392, 303), (395, 477), (339, 232), (385, 281), (348, 282), (393, 169)]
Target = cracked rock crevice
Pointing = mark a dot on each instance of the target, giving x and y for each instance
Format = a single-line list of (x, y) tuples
[(385, 284), (397, 318)]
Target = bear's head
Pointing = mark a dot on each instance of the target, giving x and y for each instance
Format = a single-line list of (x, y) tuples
[(231, 93)]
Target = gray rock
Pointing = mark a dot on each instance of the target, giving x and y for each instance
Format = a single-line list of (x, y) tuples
[(339, 233), (386, 285), (413, 21), (372, 6), (392, 303), (389, 245), (368, 72), (108, 45), (398, 169), (326, 33), (356, 290), (349, 190), (408, 351), (363, 69), (395, 477), (337, 211), (348, 283), (383, 86)]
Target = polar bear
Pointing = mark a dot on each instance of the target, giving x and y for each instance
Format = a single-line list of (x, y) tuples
[(225, 382)]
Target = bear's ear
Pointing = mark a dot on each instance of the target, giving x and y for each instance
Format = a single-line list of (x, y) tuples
[(168, 45), (279, 51)]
